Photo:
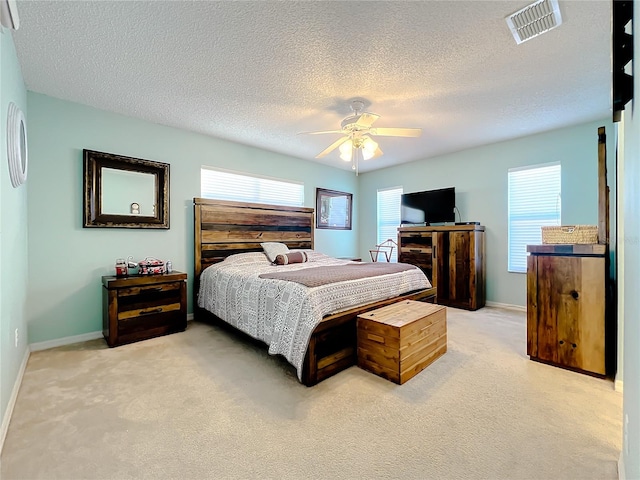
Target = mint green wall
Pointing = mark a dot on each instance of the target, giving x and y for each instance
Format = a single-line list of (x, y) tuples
[(480, 178), (13, 232), (630, 281), (66, 261)]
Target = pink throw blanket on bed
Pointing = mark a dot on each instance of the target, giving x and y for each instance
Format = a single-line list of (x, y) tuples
[(316, 276)]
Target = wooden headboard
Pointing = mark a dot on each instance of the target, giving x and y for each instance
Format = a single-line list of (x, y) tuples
[(222, 228)]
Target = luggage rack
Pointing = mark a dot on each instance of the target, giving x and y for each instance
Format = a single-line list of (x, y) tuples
[(385, 247)]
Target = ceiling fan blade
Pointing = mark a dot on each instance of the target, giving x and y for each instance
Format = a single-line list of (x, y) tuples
[(396, 132), (318, 133), (333, 146), (367, 119)]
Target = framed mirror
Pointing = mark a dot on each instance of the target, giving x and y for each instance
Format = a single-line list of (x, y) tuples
[(333, 209), (16, 145), (125, 192)]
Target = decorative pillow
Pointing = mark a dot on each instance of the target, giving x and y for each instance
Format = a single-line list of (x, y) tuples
[(273, 249), (293, 257)]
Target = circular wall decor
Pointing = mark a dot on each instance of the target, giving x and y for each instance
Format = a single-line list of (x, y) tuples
[(16, 145)]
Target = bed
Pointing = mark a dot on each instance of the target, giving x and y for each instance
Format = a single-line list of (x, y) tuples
[(316, 333)]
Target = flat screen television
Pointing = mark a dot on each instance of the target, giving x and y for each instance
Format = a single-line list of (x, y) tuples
[(428, 207)]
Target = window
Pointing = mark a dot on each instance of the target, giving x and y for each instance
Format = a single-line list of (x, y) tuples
[(534, 202), (227, 185), (389, 216)]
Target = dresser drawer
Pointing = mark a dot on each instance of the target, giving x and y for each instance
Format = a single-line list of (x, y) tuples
[(416, 235), (425, 249), (418, 259)]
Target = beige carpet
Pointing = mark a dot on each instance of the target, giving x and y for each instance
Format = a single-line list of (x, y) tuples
[(205, 404)]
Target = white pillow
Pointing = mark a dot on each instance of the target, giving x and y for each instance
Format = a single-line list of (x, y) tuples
[(273, 249), (250, 257)]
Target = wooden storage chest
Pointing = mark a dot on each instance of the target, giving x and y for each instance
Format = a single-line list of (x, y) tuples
[(400, 340)]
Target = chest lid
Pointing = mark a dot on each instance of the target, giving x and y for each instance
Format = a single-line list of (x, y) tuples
[(402, 313)]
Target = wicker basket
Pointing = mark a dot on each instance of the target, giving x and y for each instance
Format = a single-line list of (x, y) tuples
[(570, 234)]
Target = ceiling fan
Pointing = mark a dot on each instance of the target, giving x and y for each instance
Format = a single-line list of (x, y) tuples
[(357, 130)]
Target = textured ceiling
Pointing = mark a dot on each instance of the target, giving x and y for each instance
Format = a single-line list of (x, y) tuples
[(260, 72)]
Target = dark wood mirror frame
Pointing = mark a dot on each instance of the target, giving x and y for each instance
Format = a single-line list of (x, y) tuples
[(323, 206), (94, 162)]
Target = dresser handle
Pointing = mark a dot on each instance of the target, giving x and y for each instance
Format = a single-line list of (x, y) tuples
[(155, 310), (415, 250), (574, 294)]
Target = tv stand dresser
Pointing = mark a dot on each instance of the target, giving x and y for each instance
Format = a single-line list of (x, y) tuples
[(453, 259)]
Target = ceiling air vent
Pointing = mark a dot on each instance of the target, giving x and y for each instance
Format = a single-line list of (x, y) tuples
[(535, 19)]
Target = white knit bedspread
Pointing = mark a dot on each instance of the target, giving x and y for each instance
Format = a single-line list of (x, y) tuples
[(284, 314)]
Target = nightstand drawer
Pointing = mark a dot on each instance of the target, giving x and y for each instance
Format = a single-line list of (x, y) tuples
[(165, 320), (152, 310), (150, 291), (148, 298)]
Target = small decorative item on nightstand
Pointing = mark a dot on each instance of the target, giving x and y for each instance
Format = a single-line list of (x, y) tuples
[(151, 266), (143, 306), (132, 267), (121, 268)]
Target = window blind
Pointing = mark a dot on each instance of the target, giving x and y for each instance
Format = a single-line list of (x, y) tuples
[(534, 202), (388, 218), (227, 185)]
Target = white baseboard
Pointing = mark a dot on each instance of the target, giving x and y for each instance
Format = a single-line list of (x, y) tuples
[(621, 474), (617, 385), (60, 342), (508, 306), (12, 400)]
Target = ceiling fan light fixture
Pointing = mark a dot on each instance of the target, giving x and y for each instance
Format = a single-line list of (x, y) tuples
[(369, 147), (346, 150)]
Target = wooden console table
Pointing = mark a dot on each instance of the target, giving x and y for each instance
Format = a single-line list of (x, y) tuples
[(566, 306)]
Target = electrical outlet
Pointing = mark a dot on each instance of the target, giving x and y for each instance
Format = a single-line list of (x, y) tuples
[(16, 342), (626, 434)]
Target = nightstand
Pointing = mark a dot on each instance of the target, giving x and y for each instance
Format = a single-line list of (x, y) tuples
[(143, 306)]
